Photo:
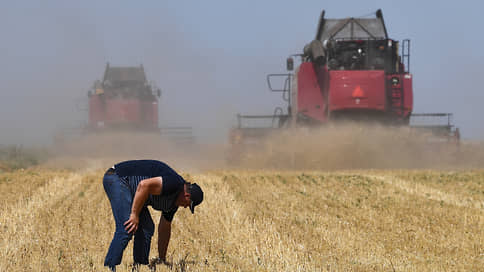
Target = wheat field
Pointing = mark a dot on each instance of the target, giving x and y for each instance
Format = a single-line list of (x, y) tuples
[(60, 220)]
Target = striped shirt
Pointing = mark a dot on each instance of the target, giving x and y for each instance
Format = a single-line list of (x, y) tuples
[(133, 172)]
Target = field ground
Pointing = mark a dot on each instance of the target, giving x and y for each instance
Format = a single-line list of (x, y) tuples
[(258, 221)]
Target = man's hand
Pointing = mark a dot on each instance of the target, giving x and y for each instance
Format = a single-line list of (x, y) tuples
[(132, 224)]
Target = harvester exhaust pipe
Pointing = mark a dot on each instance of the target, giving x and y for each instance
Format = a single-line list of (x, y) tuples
[(321, 22), (314, 49)]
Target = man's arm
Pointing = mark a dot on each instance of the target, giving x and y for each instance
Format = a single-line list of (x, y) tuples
[(164, 233), (146, 187)]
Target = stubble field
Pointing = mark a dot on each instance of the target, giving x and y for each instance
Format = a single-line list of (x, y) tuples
[(368, 220)]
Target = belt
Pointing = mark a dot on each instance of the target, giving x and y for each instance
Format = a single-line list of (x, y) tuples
[(110, 171)]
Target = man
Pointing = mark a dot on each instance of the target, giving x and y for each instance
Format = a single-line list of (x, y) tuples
[(131, 186)]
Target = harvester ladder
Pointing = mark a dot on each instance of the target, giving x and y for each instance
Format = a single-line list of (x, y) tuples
[(397, 98), (397, 94), (406, 55)]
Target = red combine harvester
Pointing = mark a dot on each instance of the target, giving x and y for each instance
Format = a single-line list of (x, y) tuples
[(125, 101), (351, 71)]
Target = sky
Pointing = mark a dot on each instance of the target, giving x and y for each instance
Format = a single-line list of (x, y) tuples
[(211, 58)]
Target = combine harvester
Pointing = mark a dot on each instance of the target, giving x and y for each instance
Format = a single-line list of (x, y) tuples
[(124, 101), (351, 71), (122, 105)]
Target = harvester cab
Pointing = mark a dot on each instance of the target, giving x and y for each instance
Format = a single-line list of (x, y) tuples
[(355, 44)]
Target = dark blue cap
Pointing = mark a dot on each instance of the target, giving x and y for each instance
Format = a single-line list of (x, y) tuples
[(196, 196)]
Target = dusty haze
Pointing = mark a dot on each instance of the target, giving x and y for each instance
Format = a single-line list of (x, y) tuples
[(211, 63), (356, 146), (335, 147)]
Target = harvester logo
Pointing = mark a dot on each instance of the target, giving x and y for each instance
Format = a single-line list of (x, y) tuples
[(357, 94)]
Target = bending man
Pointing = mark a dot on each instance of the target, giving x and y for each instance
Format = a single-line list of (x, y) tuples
[(131, 186)]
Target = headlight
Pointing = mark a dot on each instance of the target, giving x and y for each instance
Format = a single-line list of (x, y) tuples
[(395, 80)]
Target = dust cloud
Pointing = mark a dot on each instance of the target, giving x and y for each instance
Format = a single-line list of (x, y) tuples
[(356, 146), (102, 150), (333, 147)]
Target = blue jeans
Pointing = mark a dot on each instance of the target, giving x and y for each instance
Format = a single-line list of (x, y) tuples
[(121, 199)]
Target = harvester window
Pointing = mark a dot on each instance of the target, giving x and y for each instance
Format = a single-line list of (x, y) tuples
[(362, 55), (348, 55)]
